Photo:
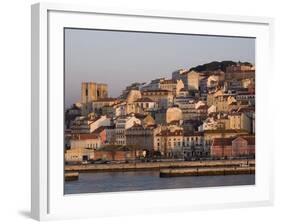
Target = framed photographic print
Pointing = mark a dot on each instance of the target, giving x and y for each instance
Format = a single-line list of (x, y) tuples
[(138, 111)]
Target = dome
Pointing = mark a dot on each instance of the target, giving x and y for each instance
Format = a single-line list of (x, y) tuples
[(173, 114)]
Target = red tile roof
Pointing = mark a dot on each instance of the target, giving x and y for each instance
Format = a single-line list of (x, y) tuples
[(228, 141), (144, 99), (84, 136)]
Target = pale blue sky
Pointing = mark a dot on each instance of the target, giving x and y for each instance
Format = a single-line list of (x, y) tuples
[(120, 58)]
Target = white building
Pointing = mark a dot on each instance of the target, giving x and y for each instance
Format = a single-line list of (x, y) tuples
[(146, 104), (87, 125), (212, 109)]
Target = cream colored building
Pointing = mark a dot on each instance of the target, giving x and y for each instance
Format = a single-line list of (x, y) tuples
[(169, 143), (133, 96), (146, 104), (209, 135), (85, 142), (240, 121), (78, 155), (100, 103), (122, 124), (163, 98), (172, 85), (193, 80)]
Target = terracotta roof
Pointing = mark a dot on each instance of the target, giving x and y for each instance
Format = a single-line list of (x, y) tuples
[(233, 103), (144, 99), (98, 130), (169, 133), (228, 141), (234, 131), (183, 89), (201, 107), (168, 81), (246, 109), (222, 141), (156, 90), (193, 133), (84, 136)]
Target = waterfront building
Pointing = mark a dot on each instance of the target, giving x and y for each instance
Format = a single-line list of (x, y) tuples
[(195, 146), (169, 143), (85, 141), (210, 135), (233, 147), (116, 153), (78, 155), (141, 137)]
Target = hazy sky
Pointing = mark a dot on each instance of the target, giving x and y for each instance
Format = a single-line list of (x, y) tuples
[(120, 58)]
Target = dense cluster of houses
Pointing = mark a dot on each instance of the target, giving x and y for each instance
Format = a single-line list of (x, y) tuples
[(193, 115)]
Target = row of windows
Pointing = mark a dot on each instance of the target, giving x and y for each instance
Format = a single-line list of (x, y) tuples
[(179, 144), (92, 146), (186, 139), (155, 93)]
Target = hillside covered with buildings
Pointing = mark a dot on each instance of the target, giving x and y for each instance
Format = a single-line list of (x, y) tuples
[(204, 112)]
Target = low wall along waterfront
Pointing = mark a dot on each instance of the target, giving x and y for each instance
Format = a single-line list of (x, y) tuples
[(159, 165)]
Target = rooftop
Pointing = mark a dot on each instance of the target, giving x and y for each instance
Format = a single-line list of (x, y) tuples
[(144, 99)]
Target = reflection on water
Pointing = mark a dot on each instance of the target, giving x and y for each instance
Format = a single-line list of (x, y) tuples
[(148, 180)]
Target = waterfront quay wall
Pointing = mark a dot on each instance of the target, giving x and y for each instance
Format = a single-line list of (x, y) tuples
[(158, 165), (209, 171)]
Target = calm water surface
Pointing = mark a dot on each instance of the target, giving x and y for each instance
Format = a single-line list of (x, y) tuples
[(148, 180)]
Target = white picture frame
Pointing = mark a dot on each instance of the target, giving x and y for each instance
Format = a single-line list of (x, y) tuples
[(48, 200)]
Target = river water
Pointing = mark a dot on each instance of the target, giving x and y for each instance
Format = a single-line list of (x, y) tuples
[(147, 180)]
